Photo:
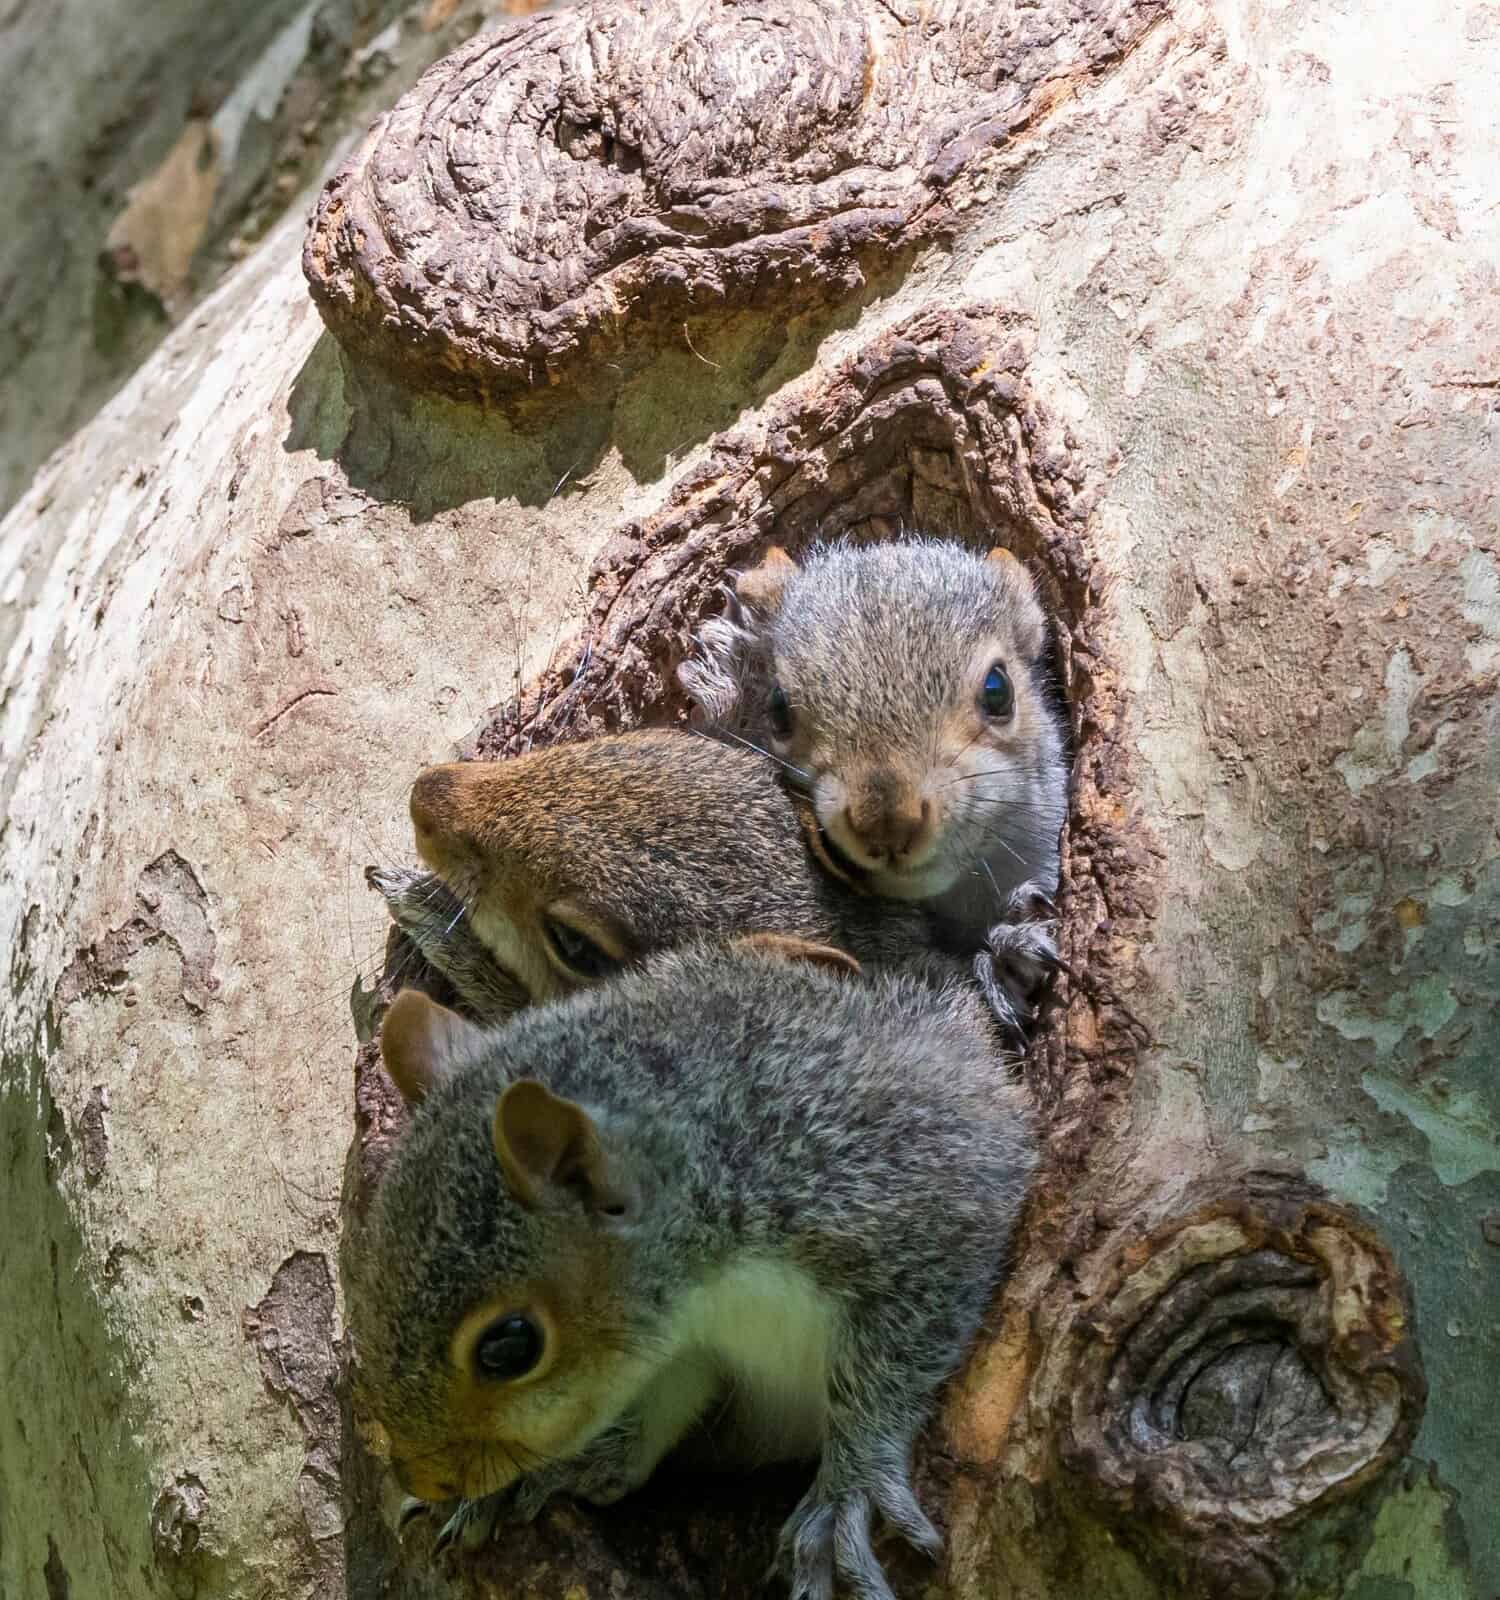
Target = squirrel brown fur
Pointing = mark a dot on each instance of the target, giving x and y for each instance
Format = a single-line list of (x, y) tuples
[(552, 870)]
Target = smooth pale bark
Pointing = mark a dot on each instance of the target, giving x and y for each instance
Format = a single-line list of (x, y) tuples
[(1213, 333)]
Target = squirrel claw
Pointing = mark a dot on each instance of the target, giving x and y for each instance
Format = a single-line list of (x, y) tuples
[(473, 1524), (411, 1511), (1020, 953), (826, 1543)]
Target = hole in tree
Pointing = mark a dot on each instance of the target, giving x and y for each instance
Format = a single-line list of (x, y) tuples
[(934, 428)]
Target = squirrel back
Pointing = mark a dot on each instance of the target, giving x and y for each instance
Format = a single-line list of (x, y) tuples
[(563, 866), (905, 687), (731, 1177)]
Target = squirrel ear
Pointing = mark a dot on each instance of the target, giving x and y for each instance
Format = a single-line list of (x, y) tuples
[(1030, 623), (790, 948), (419, 1040), (761, 587), (542, 1140)]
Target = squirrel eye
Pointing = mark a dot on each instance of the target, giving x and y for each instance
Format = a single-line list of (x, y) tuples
[(509, 1348), (781, 713), (577, 952), (997, 698)]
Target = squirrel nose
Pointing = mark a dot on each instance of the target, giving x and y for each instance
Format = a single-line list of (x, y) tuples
[(889, 822)]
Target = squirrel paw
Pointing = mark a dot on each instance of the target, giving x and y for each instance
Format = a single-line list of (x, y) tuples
[(826, 1540), (606, 1471), (603, 1474), (474, 1523), (433, 920), (1020, 954), (412, 1510)]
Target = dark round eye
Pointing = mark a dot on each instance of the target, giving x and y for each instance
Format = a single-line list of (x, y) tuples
[(577, 952), (781, 713), (509, 1348), (997, 698)]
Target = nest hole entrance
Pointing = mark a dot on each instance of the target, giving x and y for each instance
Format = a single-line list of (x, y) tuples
[(933, 429), (937, 427)]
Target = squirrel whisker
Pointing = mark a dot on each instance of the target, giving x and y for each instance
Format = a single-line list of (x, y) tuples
[(1016, 770), (724, 733)]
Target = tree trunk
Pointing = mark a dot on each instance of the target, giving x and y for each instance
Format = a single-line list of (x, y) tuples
[(1197, 309), (148, 144)]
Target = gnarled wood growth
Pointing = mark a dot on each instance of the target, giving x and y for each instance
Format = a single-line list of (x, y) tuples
[(548, 205)]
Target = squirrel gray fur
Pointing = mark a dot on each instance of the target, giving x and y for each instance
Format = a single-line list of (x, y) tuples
[(636, 842), (729, 1191), (867, 673)]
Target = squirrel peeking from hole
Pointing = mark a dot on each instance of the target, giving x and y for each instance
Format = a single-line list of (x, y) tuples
[(905, 689), (736, 1171), (737, 1203)]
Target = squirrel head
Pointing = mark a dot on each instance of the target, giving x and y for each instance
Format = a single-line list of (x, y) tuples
[(508, 1289), (491, 1309), (905, 682), (577, 860)]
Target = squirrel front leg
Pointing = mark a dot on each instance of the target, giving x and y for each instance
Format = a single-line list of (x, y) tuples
[(612, 1465), (609, 1468), (432, 917), (879, 1403), (826, 1540)]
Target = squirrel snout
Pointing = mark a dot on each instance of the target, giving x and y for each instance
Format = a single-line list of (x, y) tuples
[(446, 805), (888, 822)]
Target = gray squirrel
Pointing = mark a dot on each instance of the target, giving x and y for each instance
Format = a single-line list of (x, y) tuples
[(731, 1198), (903, 687), (556, 869)]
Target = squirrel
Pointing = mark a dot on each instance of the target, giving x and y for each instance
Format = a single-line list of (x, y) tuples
[(562, 866), (904, 688), (730, 1200)]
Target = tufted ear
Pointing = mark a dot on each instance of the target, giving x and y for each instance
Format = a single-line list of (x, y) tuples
[(1004, 558), (789, 947), (761, 588), (544, 1142), (420, 1041), (1028, 619)]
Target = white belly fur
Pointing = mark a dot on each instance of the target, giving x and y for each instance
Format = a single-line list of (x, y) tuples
[(767, 1330)]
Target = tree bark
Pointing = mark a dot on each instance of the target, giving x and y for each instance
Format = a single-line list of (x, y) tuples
[(1196, 308), (148, 147)]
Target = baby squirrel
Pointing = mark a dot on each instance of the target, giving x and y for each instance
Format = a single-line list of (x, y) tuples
[(730, 1198), (561, 867), (903, 688)]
